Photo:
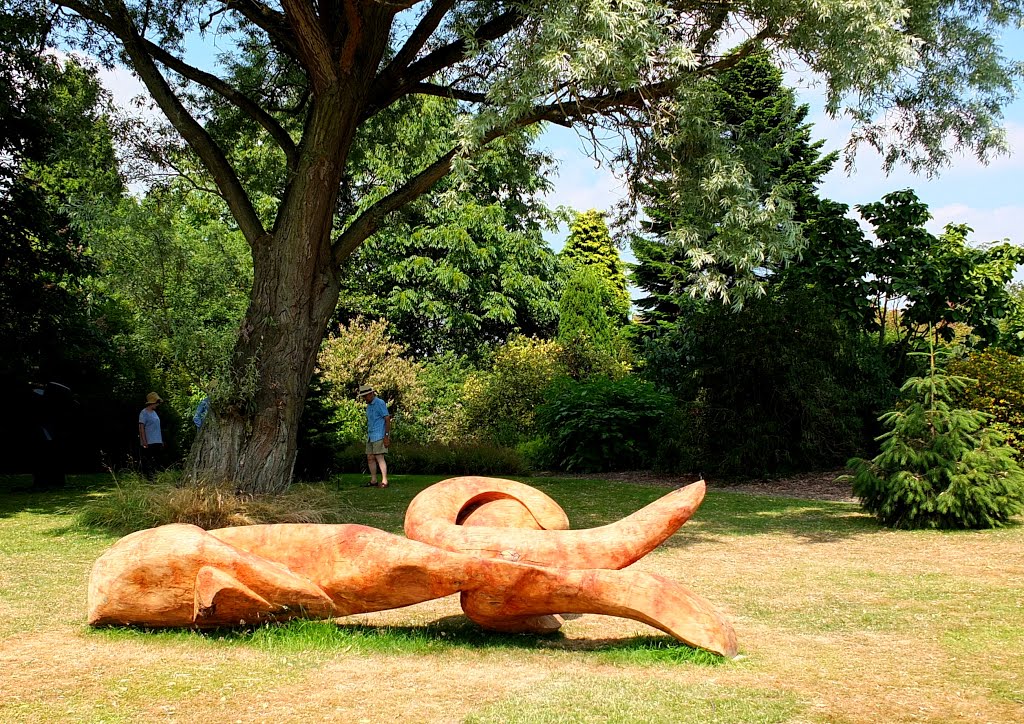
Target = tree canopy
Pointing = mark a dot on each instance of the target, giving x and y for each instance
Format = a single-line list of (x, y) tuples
[(921, 79)]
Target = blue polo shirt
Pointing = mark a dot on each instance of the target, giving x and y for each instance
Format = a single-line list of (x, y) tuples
[(376, 411)]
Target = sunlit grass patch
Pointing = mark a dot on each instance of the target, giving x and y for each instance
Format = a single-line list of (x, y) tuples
[(613, 699)]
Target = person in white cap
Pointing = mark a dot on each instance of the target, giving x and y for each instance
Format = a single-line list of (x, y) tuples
[(378, 435)]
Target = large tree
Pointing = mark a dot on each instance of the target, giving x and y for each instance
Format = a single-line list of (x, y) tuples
[(337, 64)]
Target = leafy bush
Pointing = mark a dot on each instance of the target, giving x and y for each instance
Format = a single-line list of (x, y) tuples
[(537, 454), (439, 416), (999, 392), (602, 424), (358, 353), (939, 466), (439, 459), (500, 405)]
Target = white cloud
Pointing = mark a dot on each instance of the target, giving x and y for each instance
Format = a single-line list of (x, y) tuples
[(990, 225)]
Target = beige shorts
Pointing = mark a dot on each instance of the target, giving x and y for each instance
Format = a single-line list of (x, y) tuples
[(376, 448)]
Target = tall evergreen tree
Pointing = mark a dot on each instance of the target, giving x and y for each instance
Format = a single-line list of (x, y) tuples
[(465, 266), (758, 119), (582, 315), (590, 243)]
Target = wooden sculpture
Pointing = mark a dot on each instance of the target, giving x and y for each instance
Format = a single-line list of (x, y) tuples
[(504, 546)]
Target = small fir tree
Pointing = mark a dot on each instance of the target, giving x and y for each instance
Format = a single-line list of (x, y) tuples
[(939, 467)]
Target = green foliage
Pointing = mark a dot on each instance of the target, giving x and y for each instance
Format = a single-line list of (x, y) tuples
[(741, 166), (777, 386), (582, 310), (939, 281), (178, 280), (923, 80), (999, 392), (355, 354), (940, 466), (590, 244), (602, 424), (499, 406), (466, 265), (439, 415), (57, 157), (1011, 326)]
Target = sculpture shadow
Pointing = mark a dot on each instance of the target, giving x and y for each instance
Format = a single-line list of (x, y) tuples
[(445, 634)]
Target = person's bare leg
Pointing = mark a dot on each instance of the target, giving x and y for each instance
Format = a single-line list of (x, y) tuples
[(383, 470), (371, 460)]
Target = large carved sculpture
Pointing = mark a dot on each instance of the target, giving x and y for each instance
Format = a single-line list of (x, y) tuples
[(504, 546)]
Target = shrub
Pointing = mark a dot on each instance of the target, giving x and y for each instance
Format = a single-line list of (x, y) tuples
[(999, 391), (582, 310), (602, 424), (440, 414), (500, 406), (939, 466), (775, 387), (359, 353)]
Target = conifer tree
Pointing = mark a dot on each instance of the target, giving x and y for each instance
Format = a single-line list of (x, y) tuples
[(590, 243), (582, 313), (939, 467)]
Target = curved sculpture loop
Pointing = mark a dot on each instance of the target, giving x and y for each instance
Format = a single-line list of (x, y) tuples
[(504, 546)]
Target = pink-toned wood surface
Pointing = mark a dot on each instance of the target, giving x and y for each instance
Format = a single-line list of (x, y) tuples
[(510, 578)]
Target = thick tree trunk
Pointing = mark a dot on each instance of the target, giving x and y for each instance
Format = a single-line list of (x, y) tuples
[(250, 436)]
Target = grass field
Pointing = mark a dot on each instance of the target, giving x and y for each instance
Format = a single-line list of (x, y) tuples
[(838, 620)]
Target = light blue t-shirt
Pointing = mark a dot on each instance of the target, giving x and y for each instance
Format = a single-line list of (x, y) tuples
[(151, 420), (376, 411)]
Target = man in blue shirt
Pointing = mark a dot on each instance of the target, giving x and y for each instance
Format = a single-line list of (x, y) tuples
[(378, 435)]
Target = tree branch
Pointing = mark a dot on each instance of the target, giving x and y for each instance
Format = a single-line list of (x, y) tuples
[(424, 29), (370, 220), (273, 23), (718, 17), (430, 89), (122, 26), (313, 44), (389, 88), (232, 94)]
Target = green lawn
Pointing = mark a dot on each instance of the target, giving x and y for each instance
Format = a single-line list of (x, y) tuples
[(838, 620)]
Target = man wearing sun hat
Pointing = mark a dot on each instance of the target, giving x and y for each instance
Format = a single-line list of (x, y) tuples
[(378, 435), (150, 436)]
